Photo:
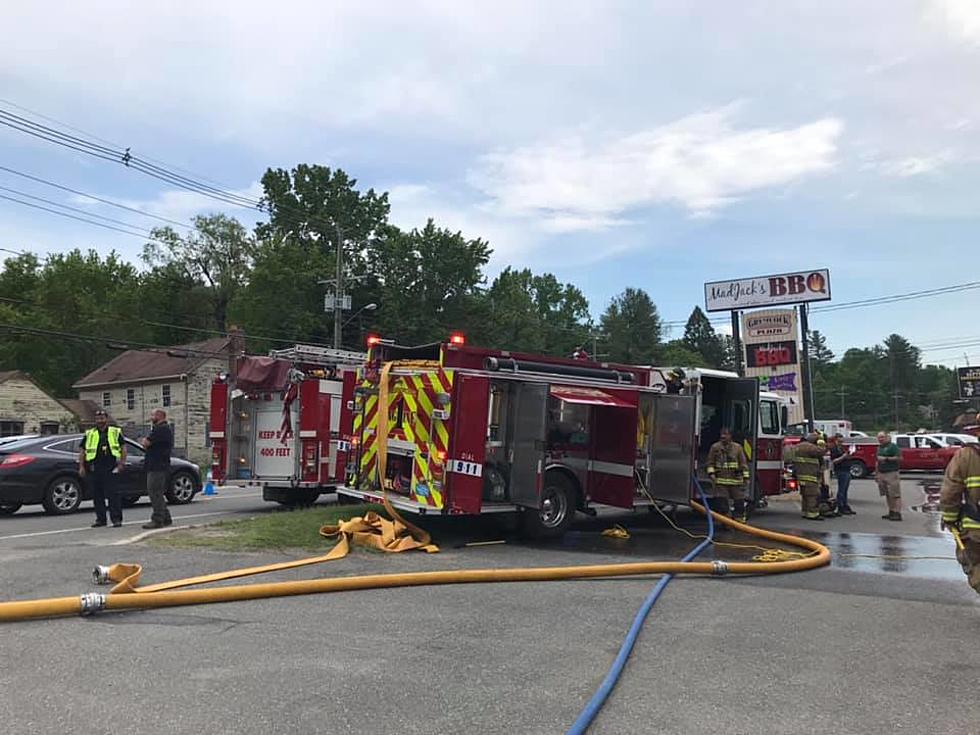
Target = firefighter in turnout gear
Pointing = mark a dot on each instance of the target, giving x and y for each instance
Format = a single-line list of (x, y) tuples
[(729, 473), (959, 502), (808, 468)]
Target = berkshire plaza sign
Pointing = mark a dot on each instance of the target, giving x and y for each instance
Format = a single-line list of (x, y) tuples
[(784, 288)]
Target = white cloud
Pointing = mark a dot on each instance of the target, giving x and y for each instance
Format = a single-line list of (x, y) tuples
[(959, 18), (701, 162), (915, 165)]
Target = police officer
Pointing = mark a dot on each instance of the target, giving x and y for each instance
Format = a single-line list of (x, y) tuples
[(729, 472), (959, 502), (101, 456), (807, 462)]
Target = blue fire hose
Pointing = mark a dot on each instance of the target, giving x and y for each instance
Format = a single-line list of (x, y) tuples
[(591, 710)]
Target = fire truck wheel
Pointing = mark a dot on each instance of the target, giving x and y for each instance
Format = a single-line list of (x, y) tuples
[(557, 509)]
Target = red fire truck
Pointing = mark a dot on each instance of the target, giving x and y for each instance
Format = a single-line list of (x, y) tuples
[(283, 422), (472, 430)]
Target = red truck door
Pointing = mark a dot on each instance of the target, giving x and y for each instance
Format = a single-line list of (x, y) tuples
[(468, 443)]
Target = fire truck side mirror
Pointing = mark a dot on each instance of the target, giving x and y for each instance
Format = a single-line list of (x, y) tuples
[(784, 417)]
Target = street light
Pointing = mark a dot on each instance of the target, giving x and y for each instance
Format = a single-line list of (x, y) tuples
[(366, 307)]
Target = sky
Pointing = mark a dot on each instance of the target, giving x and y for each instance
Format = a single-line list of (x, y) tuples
[(656, 145)]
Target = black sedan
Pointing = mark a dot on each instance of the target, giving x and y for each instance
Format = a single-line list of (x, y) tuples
[(43, 470)]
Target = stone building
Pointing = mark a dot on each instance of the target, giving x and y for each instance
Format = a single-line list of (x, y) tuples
[(25, 408), (178, 380)]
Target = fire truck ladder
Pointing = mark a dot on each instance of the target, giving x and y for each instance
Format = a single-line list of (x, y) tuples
[(325, 356)]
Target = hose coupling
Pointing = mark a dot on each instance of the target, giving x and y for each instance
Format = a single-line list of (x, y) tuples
[(92, 602), (100, 575), (719, 568)]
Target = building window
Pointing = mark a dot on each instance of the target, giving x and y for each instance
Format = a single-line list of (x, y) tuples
[(49, 428), (166, 395), (106, 399), (11, 428), (130, 398)]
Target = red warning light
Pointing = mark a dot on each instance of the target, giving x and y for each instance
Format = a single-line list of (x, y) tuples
[(457, 338), (373, 340)]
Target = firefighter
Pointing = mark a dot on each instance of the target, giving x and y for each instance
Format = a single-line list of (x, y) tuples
[(807, 461), (729, 473), (959, 502), (675, 381), (101, 457)]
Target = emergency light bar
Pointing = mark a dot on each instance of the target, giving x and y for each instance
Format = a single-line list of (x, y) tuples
[(457, 338)]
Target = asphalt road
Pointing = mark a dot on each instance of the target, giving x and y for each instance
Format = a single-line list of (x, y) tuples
[(877, 643), (31, 527)]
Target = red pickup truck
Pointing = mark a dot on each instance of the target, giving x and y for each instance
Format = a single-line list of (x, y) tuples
[(918, 453)]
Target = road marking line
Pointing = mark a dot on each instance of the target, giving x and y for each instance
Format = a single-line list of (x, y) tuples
[(87, 528)]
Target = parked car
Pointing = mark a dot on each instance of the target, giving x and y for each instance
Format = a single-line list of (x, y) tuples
[(955, 440), (43, 470)]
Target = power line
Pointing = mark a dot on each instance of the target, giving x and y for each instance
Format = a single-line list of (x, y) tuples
[(71, 216), (128, 344), (166, 325), (102, 140), (96, 198), (73, 209)]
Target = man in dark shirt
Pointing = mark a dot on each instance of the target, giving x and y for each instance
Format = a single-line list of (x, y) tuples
[(840, 462), (101, 456), (157, 464)]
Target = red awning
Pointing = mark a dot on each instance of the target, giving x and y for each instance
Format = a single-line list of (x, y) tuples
[(588, 396)]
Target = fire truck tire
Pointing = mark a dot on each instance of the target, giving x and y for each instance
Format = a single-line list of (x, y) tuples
[(557, 511), (858, 469)]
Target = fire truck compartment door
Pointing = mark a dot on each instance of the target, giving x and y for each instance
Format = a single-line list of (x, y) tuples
[(671, 447), (275, 456), (588, 396), (741, 414), (613, 455), (529, 420)]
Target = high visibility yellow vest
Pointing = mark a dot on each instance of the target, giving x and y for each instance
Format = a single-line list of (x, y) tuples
[(92, 443)]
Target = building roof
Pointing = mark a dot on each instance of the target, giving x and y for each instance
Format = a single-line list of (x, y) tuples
[(139, 366), (11, 374), (84, 411)]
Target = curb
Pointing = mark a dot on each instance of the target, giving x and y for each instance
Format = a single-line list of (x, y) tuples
[(155, 532)]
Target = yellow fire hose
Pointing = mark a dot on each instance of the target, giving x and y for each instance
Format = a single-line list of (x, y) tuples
[(127, 599), (126, 595)]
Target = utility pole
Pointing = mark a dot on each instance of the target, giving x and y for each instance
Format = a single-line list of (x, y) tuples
[(338, 296), (842, 392), (896, 395), (805, 368)]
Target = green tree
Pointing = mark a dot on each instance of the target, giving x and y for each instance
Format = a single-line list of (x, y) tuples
[(535, 313), (820, 354), (73, 292), (217, 256), (700, 337), (676, 353), (633, 328), (311, 208), (427, 282)]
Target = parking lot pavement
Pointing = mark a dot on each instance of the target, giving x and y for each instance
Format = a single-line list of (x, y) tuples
[(845, 649), (31, 527)]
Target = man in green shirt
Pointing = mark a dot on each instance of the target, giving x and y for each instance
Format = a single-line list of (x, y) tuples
[(886, 472)]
